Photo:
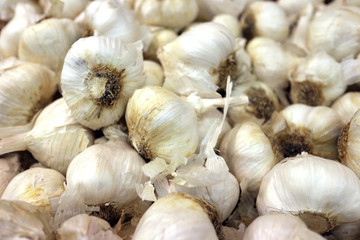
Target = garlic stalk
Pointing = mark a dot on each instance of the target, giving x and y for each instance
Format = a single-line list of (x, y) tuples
[(63, 8), (348, 231), (55, 139), (179, 216), (323, 193), (208, 9), (98, 77), (160, 37), (154, 74), (9, 167), (346, 106), (37, 186), (228, 21), (20, 220)]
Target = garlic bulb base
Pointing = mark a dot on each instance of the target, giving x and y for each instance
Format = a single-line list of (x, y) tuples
[(342, 143), (317, 222), (139, 142), (293, 142), (263, 105), (227, 68), (307, 92), (110, 213)]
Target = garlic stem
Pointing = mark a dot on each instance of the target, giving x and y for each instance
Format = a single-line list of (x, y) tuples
[(13, 130), (14, 143)]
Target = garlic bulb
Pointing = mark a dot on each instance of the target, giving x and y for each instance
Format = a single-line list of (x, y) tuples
[(36, 186), (301, 128), (154, 74), (20, 220), (63, 8), (265, 19), (55, 139), (230, 22), (293, 8), (175, 14), (179, 216), (9, 167), (160, 37), (210, 8), (323, 193), (98, 77), (161, 124), (279, 227), (26, 14), (48, 41), (24, 89), (346, 106), (85, 227), (347, 231), (335, 30)]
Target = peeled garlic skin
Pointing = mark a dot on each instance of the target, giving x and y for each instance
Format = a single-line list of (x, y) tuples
[(346, 106), (308, 184), (161, 124)]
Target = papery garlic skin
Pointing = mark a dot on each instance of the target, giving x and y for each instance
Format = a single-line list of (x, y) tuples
[(228, 21), (154, 74), (279, 227), (7, 9), (210, 8), (175, 14), (346, 106), (178, 216), (63, 8), (9, 168), (36, 186), (160, 37), (293, 186), (348, 231), (293, 8), (98, 77)]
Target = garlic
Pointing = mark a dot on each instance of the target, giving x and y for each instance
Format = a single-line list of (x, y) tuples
[(336, 31), (55, 139), (98, 77), (24, 89), (63, 8), (323, 193), (228, 21), (36, 186), (84, 227), (346, 106), (265, 19), (154, 73), (26, 14), (293, 8), (208, 9), (175, 14), (20, 220), (7, 9), (301, 128), (9, 167), (179, 216), (48, 41), (352, 3), (348, 231), (279, 227), (160, 37)]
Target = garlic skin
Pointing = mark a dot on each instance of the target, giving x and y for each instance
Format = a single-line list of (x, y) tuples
[(9, 168), (335, 31), (160, 37), (36, 186), (21, 220), (279, 227), (346, 106), (348, 231), (154, 74), (208, 9), (293, 8), (228, 21), (85, 227), (175, 14), (161, 124), (292, 186), (63, 8), (7, 9), (265, 19), (97, 81), (179, 216)]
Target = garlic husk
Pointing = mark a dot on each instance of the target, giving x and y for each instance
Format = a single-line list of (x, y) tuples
[(24, 90), (85, 227), (300, 128), (210, 8), (228, 21), (99, 75), (26, 14), (21, 220), (335, 30), (63, 8), (279, 227), (36, 186), (48, 41), (55, 139), (293, 8), (265, 19), (262, 103), (293, 186), (9, 168), (154, 74), (175, 14), (347, 231), (160, 37), (346, 106), (179, 216), (161, 124)]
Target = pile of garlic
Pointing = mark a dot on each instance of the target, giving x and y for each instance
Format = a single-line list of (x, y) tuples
[(179, 119)]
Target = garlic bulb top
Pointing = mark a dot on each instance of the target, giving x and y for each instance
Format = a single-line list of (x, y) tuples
[(323, 193), (98, 77), (179, 216), (36, 186), (279, 227), (154, 74), (63, 8), (346, 106), (175, 14), (9, 168), (210, 8)]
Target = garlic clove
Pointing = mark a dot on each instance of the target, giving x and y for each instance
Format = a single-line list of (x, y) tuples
[(346, 106), (160, 37), (208, 9), (63, 8), (97, 81), (9, 168), (154, 73), (228, 21)]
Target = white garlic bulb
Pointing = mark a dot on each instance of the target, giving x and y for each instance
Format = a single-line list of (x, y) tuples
[(161, 124), (279, 227), (293, 8), (323, 193), (160, 37), (21, 220), (48, 41), (25, 88), (335, 30), (154, 74), (346, 106), (9, 167), (36, 186), (85, 227), (210, 8), (265, 19), (228, 21), (179, 216), (63, 8), (98, 77), (175, 14), (55, 139), (347, 231)]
